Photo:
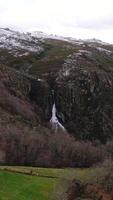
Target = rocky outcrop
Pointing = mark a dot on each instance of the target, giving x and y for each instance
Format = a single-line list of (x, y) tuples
[(41, 94), (84, 100), (82, 94)]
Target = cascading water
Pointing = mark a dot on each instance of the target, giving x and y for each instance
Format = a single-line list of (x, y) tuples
[(54, 120)]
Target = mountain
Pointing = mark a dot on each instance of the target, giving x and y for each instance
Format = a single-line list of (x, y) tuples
[(39, 71)]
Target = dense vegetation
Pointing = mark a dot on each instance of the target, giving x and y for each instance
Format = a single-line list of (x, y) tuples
[(95, 183), (26, 147)]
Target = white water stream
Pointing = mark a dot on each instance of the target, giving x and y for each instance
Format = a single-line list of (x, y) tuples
[(54, 120)]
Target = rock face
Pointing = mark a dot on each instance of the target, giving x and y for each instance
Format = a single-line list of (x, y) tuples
[(83, 95), (41, 94), (84, 99)]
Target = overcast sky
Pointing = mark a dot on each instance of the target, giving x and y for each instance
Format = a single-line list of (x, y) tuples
[(76, 18)]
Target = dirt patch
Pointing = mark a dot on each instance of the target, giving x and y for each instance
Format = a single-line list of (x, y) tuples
[(79, 191), (95, 192)]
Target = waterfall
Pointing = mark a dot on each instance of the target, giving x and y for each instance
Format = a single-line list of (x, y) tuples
[(54, 120)]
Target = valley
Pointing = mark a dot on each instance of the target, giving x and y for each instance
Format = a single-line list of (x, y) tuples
[(56, 117), (81, 70), (45, 184)]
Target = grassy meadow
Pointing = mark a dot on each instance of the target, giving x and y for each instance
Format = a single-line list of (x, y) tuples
[(27, 183)]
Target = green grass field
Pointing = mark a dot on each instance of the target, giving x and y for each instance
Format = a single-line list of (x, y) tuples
[(16, 185)]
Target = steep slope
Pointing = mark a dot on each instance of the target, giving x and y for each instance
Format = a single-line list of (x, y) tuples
[(86, 82), (18, 49), (76, 75)]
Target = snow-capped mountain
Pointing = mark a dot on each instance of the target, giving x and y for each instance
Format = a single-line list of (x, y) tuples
[(24, 50), (42, 35), (15, 41)]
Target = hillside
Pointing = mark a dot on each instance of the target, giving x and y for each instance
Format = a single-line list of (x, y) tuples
[(38, 70)]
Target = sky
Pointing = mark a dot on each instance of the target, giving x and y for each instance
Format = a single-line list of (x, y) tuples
[(81, 19)]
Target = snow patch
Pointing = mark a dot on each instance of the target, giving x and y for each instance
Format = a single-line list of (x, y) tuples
[(103, 50), (66, 72), (95, 41), (16, 41), (40, 80), (84, 51), (40, 34), (23, 54)]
